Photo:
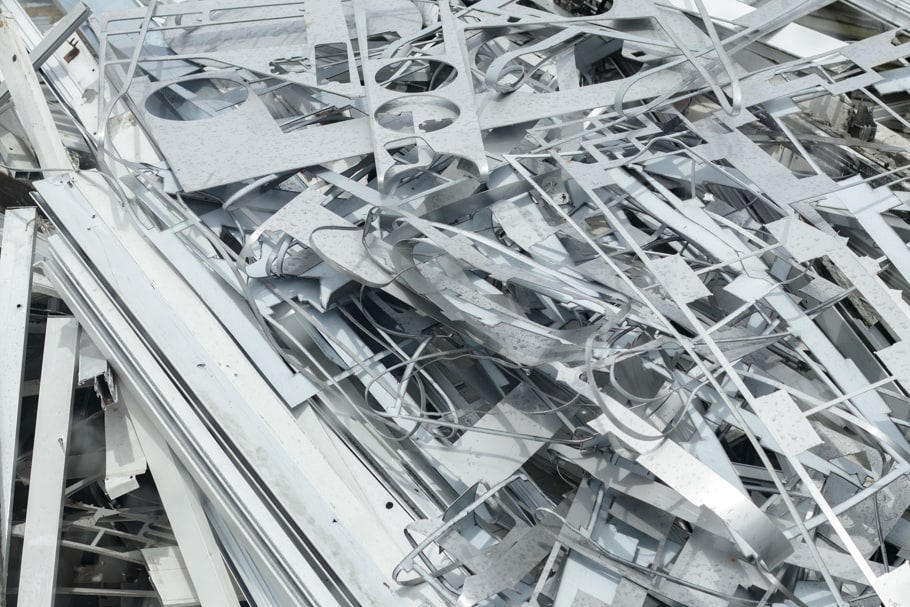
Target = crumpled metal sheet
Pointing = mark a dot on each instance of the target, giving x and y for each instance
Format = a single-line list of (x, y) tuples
[(549, 303)]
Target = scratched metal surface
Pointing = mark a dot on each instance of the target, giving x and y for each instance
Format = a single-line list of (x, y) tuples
[(556, 303)]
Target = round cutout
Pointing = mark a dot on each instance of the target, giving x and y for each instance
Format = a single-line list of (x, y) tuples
[(417, 75), (196, 99), (413, 115)]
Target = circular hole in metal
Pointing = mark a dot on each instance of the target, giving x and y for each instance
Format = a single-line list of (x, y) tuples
[(196, 99), (417, 114), (418, 75)]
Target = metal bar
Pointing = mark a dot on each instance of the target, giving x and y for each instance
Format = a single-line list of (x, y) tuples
[(16, 254), (28, 99), (180, 497), (38, 575)]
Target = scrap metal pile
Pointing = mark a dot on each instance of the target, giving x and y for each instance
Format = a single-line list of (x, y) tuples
[(556, 303)]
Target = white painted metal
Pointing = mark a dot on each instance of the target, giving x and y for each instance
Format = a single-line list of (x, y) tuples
[(168, 571), (18, 247), (38, 575), (28, 100), (209, 577), (124, 459)]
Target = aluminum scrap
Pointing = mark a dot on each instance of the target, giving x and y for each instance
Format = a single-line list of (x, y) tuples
[(544, 303)]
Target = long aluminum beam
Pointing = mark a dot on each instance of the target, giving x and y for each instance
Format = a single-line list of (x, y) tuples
[(29, 102), (180, 498), (38, 575), (16, 255)]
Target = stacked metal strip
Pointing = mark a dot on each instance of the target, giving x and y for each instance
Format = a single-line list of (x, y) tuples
[(544, 303)]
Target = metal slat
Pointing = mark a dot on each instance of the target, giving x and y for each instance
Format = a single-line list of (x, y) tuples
[(16, 254), (38, 576)]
